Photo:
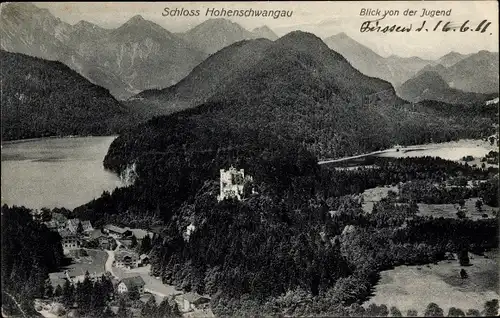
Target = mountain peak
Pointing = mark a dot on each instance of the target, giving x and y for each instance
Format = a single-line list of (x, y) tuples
[(264, 32), (23, 9), (301, 39), (136, 20), (82, 24), (219, 23), (342, 35)]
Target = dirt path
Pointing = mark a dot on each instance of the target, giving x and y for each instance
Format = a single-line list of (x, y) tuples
[(108, 266)]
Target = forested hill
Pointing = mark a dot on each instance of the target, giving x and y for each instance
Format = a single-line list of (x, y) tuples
[(301, 91), (45, 98)]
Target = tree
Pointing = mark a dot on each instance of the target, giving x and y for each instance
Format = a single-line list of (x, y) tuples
[(395, 312), (134, 294), (98, 297), (48, 289), (79, 228), (378, 311), (455, 312), (45, 214), (411, 313), (149, 308), (123, 310), (58, 292), (146, 245), (108, 312), (433, 310), (479, 205), (461, 202), (461, 214), (133, 241), (463, 273), (473, 313), (491, 308), (164, 309), (68, 294), (463, 257)]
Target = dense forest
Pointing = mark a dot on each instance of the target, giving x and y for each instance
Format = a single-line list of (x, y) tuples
[(25, 268), (304, 233), (43, 98), (301, 91)]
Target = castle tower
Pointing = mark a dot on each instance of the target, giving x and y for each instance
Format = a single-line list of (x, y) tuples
[(231, 183)]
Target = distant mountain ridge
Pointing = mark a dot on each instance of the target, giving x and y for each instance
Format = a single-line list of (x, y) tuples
[(136, 56), (298, 89), (43, 98), (133, 57), (212, 35), (429, 85), (394, 69), (477, 73)]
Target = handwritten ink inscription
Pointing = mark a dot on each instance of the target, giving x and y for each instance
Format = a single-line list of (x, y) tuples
[(379, 26)]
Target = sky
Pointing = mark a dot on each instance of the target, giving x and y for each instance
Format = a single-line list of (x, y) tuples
[(325, 18)]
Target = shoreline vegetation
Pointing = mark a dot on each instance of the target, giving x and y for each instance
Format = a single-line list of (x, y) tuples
[(18, 141)]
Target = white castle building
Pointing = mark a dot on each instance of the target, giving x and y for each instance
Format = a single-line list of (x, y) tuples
[(232, 182)]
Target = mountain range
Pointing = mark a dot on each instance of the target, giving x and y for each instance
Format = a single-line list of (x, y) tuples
[(475, 73), (429, 85), (43, 98), (214, 34), (141, 55), (136, 56), (394, 69), (297, 89)]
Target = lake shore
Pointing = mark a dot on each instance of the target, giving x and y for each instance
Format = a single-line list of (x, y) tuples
[(18, 141)]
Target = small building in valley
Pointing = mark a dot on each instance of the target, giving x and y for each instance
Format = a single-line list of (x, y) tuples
[(69, 241), (117, 231), (126, 259), (128, 283), (192, 301), (104, 241), (72, 226)]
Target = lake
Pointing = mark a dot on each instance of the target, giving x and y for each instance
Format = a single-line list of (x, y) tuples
[(55, 172), (452, 150)]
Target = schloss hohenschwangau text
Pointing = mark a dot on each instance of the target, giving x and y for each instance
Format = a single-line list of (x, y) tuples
[(222, 13)]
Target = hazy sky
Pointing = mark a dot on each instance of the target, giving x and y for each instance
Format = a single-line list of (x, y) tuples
[(321, 18)]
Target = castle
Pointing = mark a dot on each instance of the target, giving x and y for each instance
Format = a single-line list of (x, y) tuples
[(232, 183)]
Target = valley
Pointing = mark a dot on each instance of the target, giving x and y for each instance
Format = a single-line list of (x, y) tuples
[(233, 169)]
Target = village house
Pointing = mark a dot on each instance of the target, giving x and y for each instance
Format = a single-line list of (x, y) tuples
[(72, 226), (57, 223), (140, 234), (116, 231), (232, 183), (126, 259), (143, 260), (192, 301), (105, 242), (69, 241), (128, 283)]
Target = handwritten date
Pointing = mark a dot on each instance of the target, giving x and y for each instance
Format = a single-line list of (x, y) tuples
[(424, 26)]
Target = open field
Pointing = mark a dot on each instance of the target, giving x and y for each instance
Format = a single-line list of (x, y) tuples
[(414, 287), (450, 210), (453, 150), (370, 196), (93, 263)]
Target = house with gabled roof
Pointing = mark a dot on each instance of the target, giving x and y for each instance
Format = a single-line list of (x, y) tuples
[(128, 283), (69, 241), (126, 259), (117, 231), (72, 225)]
